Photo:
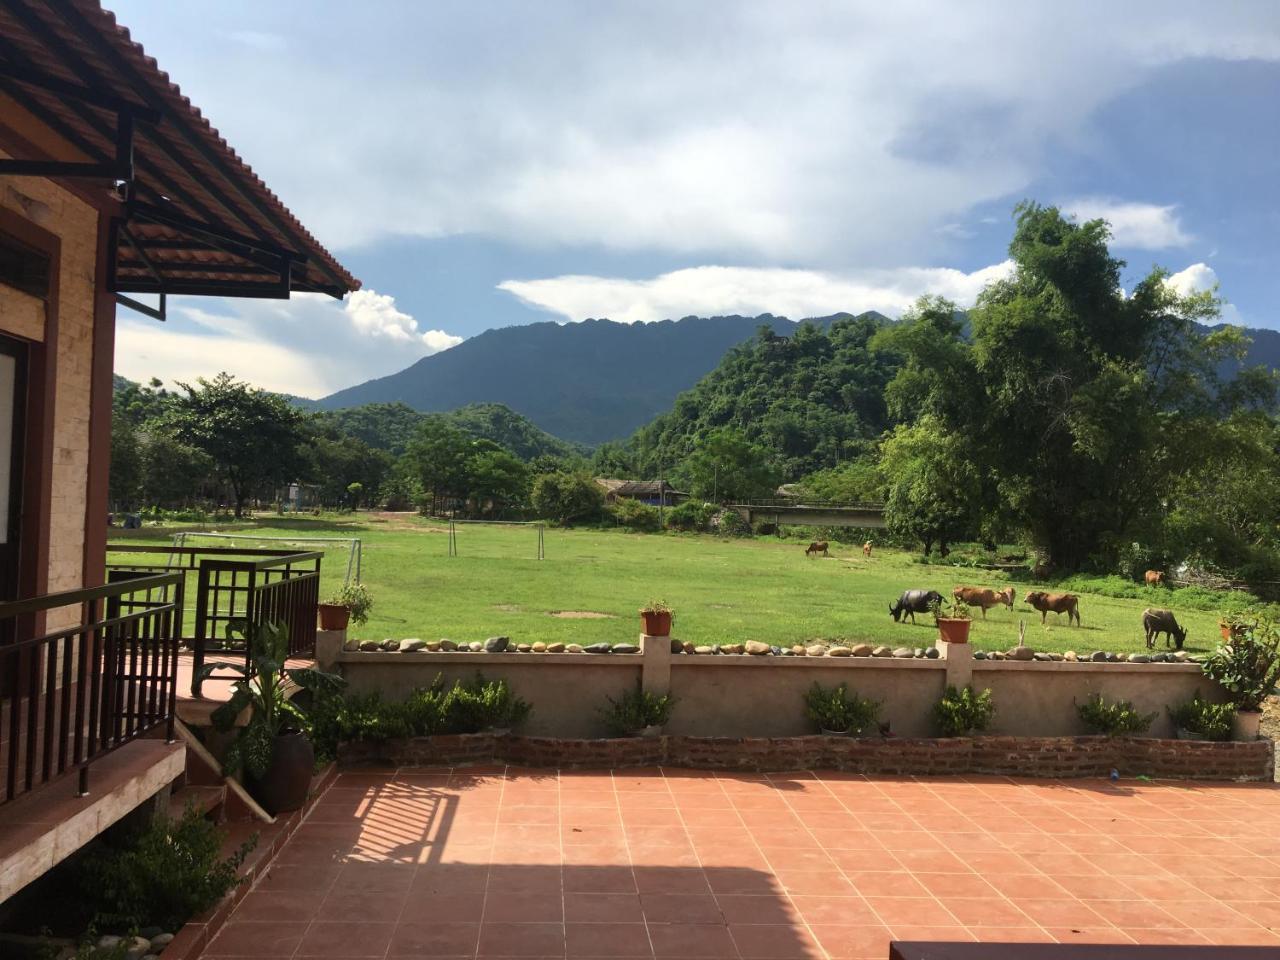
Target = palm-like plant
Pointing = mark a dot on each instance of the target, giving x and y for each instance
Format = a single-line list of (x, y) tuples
[(263, 690)]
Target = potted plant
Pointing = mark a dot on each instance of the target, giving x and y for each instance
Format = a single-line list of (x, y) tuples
[(1248, 668), (1201, 720), (961, 712), (656, 618), (637, 713), (350, 604), (271, 749), (837, 713), (953, 625)]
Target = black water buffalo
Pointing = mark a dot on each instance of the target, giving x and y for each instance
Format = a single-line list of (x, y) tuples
[(913, 602), (1156, 622)]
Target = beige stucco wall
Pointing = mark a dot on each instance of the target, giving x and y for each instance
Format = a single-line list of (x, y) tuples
[(75, 223), (744, 696)]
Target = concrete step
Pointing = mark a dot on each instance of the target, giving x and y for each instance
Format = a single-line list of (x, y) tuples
[(207, 799)]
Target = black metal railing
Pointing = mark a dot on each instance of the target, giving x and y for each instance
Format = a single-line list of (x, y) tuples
[(237, 585), (86, 672)]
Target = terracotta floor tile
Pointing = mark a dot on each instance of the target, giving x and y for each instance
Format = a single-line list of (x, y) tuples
[(268, 905), (1011, 934), (680, 908), (1016, 885), (355, 905), (774, 942), (1134, 913), (993, 911), (942, 934), (691, 940), (815, 883), (357, 939), (607, 940), (890, 883), (595, 879), (448, 879), (443, 907), (930, 861), (524, 906), (834, 910), (911, 910), (276, 939), (852, 942), (517, 878), (1171, 936), (945, 886), (757, 909), (522, 940), (1239, 936), (1083, 933), (602, 908), (1209, 913), (686, 880), (1065, 912), (434, 939)]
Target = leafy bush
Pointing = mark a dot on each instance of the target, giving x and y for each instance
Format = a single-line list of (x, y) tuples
[(635, 710), (636, 516), (692, 516), (356, 598), (729, 523), (1209, 720), (1194, 598), (1249, 666), (566, 497), (161, 876), (481, 705), (1112, 718), (463, 708), (833, 708), (961, 712)]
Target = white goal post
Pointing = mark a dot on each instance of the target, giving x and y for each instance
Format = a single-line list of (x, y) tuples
[(538, 525), (275, 543)]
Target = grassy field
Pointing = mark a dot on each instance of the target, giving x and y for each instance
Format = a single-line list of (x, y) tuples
[(592, 582)]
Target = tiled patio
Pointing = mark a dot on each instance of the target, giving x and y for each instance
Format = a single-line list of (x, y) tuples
[(690, 864)]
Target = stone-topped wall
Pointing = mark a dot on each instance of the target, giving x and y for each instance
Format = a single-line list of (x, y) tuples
[(1047, 757), (740, 695)]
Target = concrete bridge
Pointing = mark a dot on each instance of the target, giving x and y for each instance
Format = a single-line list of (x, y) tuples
[(814, 513)]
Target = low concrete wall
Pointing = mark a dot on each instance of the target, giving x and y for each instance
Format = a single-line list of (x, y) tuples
[(739, 695)]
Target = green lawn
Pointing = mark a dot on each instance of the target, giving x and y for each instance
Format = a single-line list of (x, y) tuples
[(722, 590)]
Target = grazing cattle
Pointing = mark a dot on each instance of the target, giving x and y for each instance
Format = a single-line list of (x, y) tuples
[(913, 602), (818, 546), (983, 597), (1154, 578), (1155, 622), (1054, 603), (866, 549)]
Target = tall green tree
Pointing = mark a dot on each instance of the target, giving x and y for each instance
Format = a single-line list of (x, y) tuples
[(726, 466), (252, 437), (935, 486)]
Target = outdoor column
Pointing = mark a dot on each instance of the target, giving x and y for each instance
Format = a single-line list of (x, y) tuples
[(959, 660)]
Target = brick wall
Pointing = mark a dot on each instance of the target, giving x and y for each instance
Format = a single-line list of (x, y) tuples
[(76, 224), (1049, 757)]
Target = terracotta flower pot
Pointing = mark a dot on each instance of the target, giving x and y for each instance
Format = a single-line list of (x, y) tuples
[(287, 780), (656, 623), (953, 631), (833, 733), (334, 616)]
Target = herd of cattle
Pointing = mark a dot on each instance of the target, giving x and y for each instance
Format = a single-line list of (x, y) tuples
[(1154, 621)]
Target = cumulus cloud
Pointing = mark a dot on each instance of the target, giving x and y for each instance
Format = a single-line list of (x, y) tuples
[(712, 290), (1198, 278), (310, 345), (1143, 226), (818, 133), (376, 314)]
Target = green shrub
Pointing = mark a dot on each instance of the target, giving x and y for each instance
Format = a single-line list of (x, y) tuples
[(961, 712), (635, 710), (729, 523), (692, 516), (1113, 718), (636, 516), (481, 705), (162, 875), (463, 708), (356, 598), (1249, 666), (566, 497), (1212, 721), (833, 708)]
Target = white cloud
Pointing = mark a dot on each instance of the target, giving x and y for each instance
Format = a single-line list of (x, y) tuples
[(1143, 226), (1198, 278), (376, 314), (713, 290), (309, 345), (816, 133)]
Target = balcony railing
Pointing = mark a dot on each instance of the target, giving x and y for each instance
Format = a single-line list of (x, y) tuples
[(233, 584), (83, 673)]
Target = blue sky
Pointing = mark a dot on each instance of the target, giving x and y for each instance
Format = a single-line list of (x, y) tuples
[(493, 163)]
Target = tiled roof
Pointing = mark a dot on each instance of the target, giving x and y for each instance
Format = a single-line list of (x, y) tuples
[(187, 177)]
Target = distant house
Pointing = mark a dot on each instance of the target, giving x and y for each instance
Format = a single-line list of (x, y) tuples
[(653, 492)]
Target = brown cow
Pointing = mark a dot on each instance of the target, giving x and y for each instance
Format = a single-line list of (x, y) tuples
[(866, 549), (983, 597), (1154, 577), (818, 546), (1058, 603)]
